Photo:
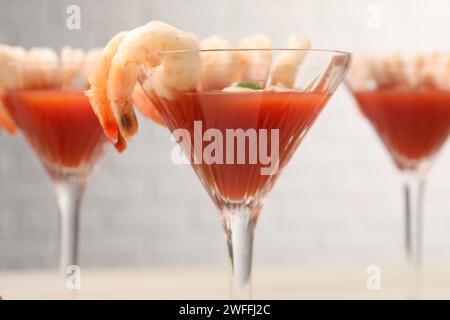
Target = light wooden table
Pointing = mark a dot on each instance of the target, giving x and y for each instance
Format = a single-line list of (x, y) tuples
[(269, 282)]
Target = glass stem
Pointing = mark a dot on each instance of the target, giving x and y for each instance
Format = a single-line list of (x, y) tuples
[(239, 228), (68, 195), (414, 184)]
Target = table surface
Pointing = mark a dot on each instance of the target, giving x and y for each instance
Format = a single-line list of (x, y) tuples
[(269, 282)]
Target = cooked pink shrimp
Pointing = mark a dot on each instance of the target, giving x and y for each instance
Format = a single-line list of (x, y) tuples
[(71, 61), (389, 72), (443, 71), (170, 73), (10, 59), (218, 67), (144, 47), (285, 67), (360, 73), (255, 64), (145, 105), (97, 78), (432, 70), (41, 68)]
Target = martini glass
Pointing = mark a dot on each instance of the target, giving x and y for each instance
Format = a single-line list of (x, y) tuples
[(409, 109), (244, 126), (62, 130)]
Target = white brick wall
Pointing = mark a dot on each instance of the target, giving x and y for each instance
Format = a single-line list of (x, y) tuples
[(339, 199)]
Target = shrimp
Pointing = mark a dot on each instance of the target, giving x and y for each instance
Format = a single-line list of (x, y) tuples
[(389, 72), (396, 72), (255, 64), (169, 72), (423, 71), (432, 70), (145, 105), (139, 97), (9, 79), (41, 68), (219, 67), (286, 66), (10, 71), (97, 78), (104, 114), (360, 72), (444, 72), (214, 42), (71, 61)]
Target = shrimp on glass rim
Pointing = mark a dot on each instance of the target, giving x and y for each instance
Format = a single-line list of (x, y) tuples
[(145, 106), (71, 61), (143, 47), (286, 66), (217, 75), (97, 78), (40, 68), (255, 64), (9, 78)]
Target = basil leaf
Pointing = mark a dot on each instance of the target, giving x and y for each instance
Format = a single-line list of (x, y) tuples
[(250, 85)]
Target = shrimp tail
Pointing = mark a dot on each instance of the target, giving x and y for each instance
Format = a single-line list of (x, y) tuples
[(125, 116), (121, 143)]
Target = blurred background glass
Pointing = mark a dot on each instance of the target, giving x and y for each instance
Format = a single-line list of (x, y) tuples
[(336, 202)]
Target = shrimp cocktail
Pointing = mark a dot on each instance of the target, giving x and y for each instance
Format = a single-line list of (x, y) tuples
[(237, 113), (407, 100), (43, 95)]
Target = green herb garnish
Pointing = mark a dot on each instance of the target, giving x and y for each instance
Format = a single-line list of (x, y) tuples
[(249, 85)]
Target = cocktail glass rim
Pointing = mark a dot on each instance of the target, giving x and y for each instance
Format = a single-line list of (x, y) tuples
[(318, 50)]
